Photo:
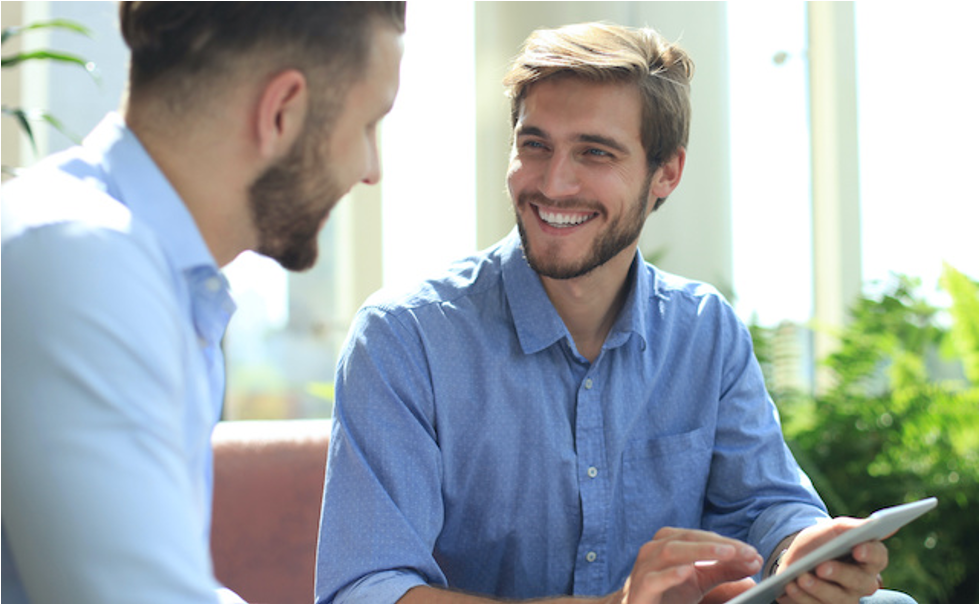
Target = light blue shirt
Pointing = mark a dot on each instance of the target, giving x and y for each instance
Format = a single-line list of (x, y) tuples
[(112, 381), (473, 447)]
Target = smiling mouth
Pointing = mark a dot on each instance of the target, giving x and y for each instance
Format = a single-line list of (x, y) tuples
[(563, 220)]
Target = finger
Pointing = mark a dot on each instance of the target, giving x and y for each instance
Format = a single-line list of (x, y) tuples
[(853, 579), (653, 584), (796, 594), (873, 555), (825, 591), (665, 553), (694, 535), (718, 572)]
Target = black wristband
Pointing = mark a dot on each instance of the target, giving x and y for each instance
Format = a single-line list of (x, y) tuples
[(779, 560)]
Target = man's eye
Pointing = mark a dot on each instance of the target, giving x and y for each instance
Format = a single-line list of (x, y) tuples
[(598, 153)]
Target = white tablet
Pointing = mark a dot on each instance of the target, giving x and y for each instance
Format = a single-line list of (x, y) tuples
[(879, 525)]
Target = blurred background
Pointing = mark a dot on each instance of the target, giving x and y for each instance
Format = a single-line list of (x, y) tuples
[(829, 193)]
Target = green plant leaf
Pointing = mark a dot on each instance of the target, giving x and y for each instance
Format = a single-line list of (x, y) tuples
[(12, 32), (26, 117), (22, 117), (323, 390), (46, 55), (965, 310), (56, 124)]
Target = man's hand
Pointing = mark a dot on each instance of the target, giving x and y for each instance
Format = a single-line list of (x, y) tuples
[(837, 581), (680, 566)]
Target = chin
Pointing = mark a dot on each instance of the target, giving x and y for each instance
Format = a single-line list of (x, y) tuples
[(302, 260), (295, 258), (297, 264)]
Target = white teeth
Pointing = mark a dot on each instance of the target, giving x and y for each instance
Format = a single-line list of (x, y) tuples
[(557, 219)]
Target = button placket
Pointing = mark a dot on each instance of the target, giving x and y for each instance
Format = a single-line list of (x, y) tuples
[(589, 438)]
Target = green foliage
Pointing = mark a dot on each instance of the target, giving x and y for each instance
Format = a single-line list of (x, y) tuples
[(895, 427), (26, 117), (964, 340)]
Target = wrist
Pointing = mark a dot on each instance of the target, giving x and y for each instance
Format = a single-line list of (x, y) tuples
[(778, 555), (777, 562)]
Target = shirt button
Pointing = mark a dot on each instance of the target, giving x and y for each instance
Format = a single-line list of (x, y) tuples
[(213, 284), (590, 557), (593, 472), (588, 384)]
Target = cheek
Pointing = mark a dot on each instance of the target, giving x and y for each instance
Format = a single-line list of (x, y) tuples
[(518, 176), (344, 139), (348, 155)]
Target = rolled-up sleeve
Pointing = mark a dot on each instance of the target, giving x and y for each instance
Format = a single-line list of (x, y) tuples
[(382, 503), (757, 491)]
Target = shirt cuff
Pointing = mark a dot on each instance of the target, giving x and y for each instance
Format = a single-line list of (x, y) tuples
[(380, 587), (779, 522)]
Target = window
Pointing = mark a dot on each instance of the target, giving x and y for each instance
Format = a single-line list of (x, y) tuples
[(770, 158), (919, 125)]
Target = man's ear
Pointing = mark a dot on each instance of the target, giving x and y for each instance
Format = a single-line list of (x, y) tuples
[(281, 113), (667, 176)]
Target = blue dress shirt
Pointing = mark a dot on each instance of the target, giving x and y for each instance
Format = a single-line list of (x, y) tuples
[(112, 381), (473, 446)]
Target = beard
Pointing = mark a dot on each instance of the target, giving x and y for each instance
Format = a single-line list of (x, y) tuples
[(291, 200), (618, 235)]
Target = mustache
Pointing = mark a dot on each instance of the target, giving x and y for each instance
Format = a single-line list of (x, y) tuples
[(577, 204)]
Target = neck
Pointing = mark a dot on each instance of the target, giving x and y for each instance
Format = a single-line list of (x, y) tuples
[(590, 304), (201, 169)]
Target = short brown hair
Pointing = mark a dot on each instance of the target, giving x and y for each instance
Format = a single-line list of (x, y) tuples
[(602, 52), (180, 48)]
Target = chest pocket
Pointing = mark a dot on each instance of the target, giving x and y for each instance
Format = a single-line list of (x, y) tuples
[(664, 482)]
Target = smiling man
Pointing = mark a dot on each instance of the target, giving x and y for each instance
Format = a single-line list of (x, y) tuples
[(556, 418), (246, 123)]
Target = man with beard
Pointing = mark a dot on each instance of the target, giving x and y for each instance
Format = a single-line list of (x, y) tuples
[(555, 417), (245, 124)]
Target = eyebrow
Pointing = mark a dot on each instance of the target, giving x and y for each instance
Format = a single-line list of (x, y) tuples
[(604, 141), (584, 138)]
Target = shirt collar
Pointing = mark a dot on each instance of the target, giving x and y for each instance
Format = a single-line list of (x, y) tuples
[(140, 185), (633, 318), (538, 323), (137, 182), (535, 318)]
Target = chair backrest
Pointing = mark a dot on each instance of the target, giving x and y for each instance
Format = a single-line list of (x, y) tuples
[(268, 486)]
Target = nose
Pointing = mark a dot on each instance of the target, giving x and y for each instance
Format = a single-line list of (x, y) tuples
[(560, 178), (372, 173)]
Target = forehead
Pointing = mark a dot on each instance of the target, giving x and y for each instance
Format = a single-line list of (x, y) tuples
[(573, 106), (385, 53), (377, 85)]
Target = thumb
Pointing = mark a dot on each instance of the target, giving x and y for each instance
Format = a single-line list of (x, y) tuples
[(713, 574)]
